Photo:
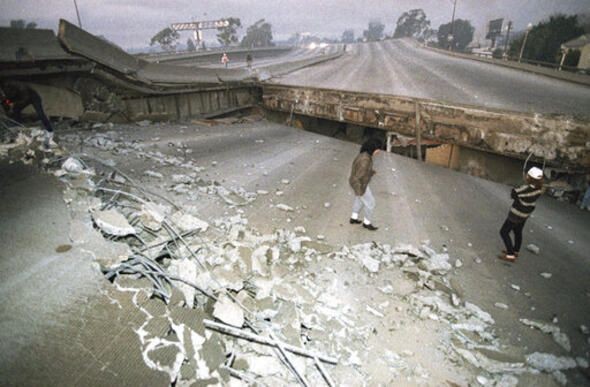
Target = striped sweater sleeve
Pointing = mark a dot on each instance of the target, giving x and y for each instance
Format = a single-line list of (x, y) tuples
[(525, 198)]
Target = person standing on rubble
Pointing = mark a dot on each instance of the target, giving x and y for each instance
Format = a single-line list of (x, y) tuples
[(16, 96), (360, 176), (225, 59), (525, 198)]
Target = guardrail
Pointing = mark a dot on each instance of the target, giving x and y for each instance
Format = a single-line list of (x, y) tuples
[(209, 51), (555, 66), (537, 67)]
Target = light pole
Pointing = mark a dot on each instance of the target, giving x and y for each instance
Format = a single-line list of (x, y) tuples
[(453, 26), (529, 27), (78, 14)]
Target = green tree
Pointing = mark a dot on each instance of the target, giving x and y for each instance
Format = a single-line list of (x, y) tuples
[(21, 24), (545, 39), (462, 32), (374, 31), (258, 34), (229, 34), (348, 36), (190, 46), (412, 24), (166, 38)]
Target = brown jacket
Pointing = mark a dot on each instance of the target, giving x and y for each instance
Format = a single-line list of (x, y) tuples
[(361, 173)]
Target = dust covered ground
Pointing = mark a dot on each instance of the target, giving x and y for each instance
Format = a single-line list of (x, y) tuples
[(146, 254)]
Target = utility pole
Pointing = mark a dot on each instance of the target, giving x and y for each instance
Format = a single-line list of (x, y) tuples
[(78, 14), (526, 35), (507, 38), (453, 26)]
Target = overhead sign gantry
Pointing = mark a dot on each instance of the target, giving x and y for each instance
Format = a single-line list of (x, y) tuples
[(198, 26)]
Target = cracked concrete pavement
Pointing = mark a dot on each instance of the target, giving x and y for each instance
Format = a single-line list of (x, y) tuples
[(415, 202)]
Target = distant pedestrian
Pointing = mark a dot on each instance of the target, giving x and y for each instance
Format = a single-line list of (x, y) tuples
[(225, 59), (525, 198), (249, 61), (360, 176), (16, 96)]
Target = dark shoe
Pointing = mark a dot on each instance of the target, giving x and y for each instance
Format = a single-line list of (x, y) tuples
[(370, 227), (355, 221)]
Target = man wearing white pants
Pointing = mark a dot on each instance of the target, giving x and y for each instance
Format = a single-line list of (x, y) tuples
[(366, 202), (360, 176)]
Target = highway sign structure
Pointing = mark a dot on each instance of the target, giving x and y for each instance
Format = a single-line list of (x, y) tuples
[(494, 30), (198, 26)]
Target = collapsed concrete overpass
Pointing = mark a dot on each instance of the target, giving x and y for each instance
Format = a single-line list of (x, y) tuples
[(87, 78)]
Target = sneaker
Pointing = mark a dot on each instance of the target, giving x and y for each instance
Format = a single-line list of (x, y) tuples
[(515, 253), (355, 221), (506, 257), (370, 227)]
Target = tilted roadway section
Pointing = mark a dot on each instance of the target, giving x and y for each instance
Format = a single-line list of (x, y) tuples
[(402, 67)]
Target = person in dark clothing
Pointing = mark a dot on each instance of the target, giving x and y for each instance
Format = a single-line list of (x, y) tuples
[(16, 96), (360, 176), (249, 60), (525, 198)]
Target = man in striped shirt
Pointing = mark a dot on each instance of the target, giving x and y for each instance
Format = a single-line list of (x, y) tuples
[(525, 198)]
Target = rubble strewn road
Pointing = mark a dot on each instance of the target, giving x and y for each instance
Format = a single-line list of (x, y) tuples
[(391, 307), (401, 67)]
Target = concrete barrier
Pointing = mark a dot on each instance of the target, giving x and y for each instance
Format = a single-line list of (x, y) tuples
[(279, 69), (58, 101), (561, 75), (30, 45), (209, 56)]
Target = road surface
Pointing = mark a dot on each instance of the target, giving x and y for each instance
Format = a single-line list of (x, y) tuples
[(415, 202), (401, 67), (238, 60)]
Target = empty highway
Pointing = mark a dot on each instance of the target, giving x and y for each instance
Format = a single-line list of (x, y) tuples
[(401, 67)]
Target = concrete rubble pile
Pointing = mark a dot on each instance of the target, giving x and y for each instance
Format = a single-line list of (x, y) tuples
[(189, 182), (24, 144), (226, 305)]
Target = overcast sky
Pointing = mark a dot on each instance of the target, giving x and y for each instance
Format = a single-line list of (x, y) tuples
[(131, 23)]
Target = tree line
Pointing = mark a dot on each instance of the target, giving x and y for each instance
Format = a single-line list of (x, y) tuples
[(543, 42)]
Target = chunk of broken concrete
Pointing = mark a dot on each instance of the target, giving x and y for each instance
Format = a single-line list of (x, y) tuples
[(186, 270), (437, 264), (73, 166), (550, 363), (181, 179), (112, 222), (262, 365), (187, 222), (155, 175), (533, 248), (284, 207), (228, 312), (559, 337), (371, 264), (152, 215)]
